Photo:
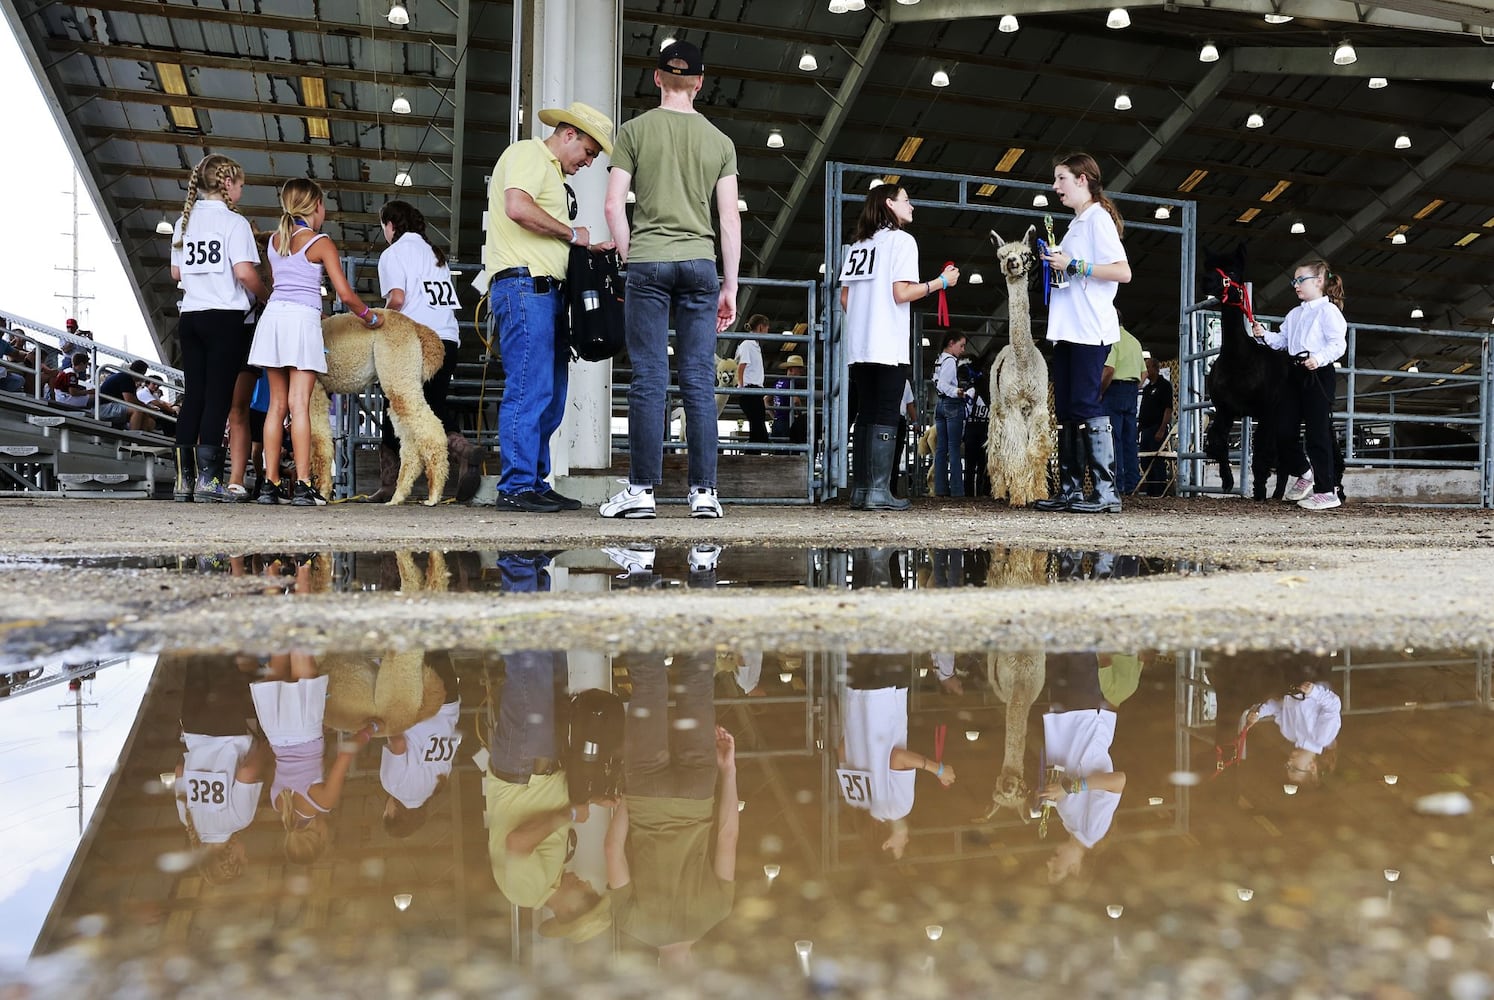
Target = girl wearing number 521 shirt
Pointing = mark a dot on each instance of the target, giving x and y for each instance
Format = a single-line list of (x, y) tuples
[(878, 281), (414, 280)]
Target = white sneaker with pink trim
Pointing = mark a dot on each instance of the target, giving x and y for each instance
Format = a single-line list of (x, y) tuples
[(1320, 501), (1301, 487)]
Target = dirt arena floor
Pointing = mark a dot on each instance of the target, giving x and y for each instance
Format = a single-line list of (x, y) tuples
[(1371, 576)]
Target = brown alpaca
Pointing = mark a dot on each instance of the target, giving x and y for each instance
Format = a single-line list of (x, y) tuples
[(1020, 441), (401, 354)]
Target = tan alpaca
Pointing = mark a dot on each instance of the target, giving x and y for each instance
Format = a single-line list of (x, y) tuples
[(1021, 433), (401, 354)]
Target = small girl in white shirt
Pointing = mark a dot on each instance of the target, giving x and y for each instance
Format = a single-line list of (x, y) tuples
[(1316, 335)]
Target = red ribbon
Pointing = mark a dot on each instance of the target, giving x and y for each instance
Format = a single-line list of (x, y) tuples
[(939, 734), (1242, 300), (942, 311)]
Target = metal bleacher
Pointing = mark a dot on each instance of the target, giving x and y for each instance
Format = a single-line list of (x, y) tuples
[(49, 450)]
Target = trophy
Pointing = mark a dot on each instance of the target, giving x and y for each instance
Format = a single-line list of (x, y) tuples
[(1056, 274)]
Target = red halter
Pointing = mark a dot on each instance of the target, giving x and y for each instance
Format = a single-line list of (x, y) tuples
[(1241, 301)]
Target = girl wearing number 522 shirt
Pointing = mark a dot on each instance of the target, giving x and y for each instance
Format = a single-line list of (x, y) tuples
[(878, 281), (414, 280), (416, 764)]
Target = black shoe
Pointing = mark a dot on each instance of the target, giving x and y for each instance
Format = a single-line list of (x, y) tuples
[(305, 495), (566, 503), (273, 493), (530, 502)]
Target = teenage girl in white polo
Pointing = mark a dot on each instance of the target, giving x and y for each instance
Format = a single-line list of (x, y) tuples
[(878, 282), (213, 260), (288, 340), (1082, 324)]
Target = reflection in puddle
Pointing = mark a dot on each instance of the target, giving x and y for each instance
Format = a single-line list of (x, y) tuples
[(701, 565), (779, 813)]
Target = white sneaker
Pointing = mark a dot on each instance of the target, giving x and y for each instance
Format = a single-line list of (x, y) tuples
[(632, 560), (703, 558), (634, 501), (703, 502), (1320, 501), (1301, 487)]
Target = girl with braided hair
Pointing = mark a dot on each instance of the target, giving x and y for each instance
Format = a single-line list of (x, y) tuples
[(1315, 334), (213, 260), (288, 340)]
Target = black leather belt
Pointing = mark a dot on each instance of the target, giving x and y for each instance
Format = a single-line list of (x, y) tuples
[(1130, 381), (543, 284)]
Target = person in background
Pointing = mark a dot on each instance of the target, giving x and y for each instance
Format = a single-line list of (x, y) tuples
[(750, 375), (1154, 424), (977, 431), (789, 421), (949, 418), (1119, 386)]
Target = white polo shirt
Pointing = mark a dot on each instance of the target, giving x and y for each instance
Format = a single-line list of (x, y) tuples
[(876, 722), (216, 239), (1084, 312), (430, 748), (430, 298), (877, 327), (219, 805), (751, 355), (1311, 723), (1080, 741)]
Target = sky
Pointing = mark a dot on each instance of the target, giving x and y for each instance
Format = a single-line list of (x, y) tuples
[(37, 175), (39, 784)]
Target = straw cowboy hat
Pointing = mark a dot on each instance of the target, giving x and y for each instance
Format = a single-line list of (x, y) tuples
[(795, 361), (584, 117), (584, 927)]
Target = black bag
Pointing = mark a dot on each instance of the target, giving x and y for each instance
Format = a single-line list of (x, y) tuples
[(594, 299)]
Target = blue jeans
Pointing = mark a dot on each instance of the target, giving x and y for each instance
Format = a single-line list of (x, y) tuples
[(692, 288), (949, 473), (525, 727), (534, 380), (1120, 404)]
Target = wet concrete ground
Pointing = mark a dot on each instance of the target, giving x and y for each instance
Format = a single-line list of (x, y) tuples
[(1378, 576)]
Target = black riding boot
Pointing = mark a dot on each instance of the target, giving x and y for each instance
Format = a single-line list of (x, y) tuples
[(1099, 449), (879, 468), (1070, 470), (209, 488), (860, 474)]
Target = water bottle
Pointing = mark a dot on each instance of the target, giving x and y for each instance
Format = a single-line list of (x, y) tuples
[(590, 299)]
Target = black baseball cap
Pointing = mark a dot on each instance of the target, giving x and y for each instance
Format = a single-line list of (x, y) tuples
[(686, 52)]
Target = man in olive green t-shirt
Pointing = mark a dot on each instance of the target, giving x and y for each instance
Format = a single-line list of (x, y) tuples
[(1119, 384), (674, 161)]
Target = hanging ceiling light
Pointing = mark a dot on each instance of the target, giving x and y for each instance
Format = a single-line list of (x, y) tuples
[(1344, 55), (940, 79), (1403, 141), (401, 106), (1298, 228), (741, 204), (1278, 18), (1378, 83), (975, 278), (839, 6), (907, 3), (164, 228), (1008, 23), (1122, 101), (1398, 239), (775, 139), (1254, 120), (1209, 52), (398, 14), (402, 901), (1416, 313), (808, 63), (1118, 18), (403, 179), (1040, 200), (1162, 212)]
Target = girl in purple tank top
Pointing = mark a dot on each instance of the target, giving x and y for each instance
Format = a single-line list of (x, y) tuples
[(288, 340)]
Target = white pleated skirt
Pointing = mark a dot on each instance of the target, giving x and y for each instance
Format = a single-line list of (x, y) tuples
[(289, 335), (290, 712)]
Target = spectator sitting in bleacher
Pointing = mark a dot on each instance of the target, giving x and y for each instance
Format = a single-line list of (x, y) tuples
[(10, 381), (153, 396), (127, 386), (69, 393), (23, 353)]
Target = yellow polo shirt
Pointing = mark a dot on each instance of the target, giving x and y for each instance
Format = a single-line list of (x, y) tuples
[(529, 166), (526, 880)]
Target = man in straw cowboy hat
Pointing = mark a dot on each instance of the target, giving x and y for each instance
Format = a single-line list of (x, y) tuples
[(789, 423), (530, 211), (675, 161)]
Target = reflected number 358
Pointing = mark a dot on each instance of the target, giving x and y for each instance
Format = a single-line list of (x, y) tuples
[(201, 791)]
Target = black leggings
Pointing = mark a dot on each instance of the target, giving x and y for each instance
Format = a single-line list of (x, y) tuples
[(877, 391), (214, 346), (435, 394), (1308, 402)]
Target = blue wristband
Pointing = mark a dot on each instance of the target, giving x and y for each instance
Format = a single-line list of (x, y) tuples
[(940, 773)]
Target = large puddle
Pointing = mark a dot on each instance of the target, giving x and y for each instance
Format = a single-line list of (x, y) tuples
[(904, 824), (703, 565)]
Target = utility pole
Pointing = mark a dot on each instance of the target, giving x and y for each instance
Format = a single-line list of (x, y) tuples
[(75, 299), (76, 687)]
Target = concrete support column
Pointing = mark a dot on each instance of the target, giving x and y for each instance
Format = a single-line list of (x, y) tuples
[(570, 50)]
